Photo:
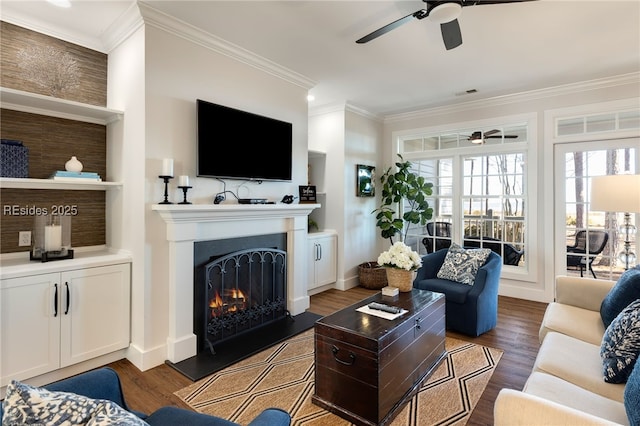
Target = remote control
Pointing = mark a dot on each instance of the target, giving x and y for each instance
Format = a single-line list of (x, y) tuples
[(385, 308)]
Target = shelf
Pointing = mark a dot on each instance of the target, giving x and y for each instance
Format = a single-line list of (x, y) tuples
[(15, 265), (34, 103), (27, 183)]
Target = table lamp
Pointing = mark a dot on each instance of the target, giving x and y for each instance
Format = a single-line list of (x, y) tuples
[(618, 193)]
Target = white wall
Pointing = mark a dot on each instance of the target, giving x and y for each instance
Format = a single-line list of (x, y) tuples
[(348, 138), (363, 139), (541, 204), (125, 162), (156, 77)]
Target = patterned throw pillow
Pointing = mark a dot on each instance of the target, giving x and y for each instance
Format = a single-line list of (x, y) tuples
[(621, 344), (26, 404), (461, 265)]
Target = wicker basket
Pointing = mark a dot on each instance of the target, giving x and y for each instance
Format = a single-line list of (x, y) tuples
[(372, 275)]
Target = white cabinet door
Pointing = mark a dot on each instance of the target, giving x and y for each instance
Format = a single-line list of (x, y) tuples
[(322, 261), (95, 312), (29, 326), (55, 320)]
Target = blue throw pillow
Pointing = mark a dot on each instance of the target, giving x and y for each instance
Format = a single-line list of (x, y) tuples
[(621, 344), (625, 291), (632, 396)]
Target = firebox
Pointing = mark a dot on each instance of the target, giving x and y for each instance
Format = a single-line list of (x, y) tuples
[(244, 290)]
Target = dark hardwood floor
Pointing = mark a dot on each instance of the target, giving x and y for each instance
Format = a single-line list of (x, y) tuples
[(516, 334)]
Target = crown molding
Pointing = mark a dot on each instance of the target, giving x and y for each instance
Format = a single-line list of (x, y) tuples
[(363, 112), (120, 30), (582, 86), (160, 20), (344, 107)]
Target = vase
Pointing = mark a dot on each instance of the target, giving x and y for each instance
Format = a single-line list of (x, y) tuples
[(73, 165), (401, 279)]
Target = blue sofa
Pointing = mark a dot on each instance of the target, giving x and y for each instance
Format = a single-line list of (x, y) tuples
[(470, 309), (104, 383)]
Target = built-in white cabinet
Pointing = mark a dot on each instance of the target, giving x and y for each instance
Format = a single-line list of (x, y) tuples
[(322, 263), (54, 320)]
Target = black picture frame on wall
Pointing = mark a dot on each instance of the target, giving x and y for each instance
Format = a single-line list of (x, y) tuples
[(365, 181)]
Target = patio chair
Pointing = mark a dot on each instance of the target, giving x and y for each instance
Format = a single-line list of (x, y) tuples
[(509, 253), (581, 256), (439, 235)]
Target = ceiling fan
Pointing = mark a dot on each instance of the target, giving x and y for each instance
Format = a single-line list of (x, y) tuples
[(479, 137), (445, 13)]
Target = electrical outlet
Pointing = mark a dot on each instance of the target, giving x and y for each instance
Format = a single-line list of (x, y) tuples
[(24, 238)]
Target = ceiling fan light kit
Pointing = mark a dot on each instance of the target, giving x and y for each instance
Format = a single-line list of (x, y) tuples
[(476, 138), (445, 12)]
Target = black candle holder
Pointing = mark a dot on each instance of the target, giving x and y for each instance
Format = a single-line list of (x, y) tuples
[(166, 189), (184, 190)]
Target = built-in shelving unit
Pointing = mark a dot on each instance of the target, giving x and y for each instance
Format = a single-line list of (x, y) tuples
[(34, 103)]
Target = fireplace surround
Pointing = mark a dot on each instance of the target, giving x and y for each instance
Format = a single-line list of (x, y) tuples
[(188, 224)]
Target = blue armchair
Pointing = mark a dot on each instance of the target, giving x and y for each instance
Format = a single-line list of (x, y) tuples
[(104, 383), (470, 309)]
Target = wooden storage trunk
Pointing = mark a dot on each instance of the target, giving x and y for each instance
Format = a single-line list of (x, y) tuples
[(367, 367)]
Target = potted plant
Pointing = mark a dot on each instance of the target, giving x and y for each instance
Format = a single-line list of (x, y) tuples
[(400, 262), (397, 186)]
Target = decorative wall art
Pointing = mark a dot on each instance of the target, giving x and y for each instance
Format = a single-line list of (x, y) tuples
[(307, 194), (365, 181)]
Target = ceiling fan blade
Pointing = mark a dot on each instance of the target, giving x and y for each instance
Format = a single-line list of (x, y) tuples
[(491, 132), (451, 34), (395, 24), (481, 2)]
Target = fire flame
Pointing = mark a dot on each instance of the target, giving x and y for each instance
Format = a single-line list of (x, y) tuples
[(234, 301)]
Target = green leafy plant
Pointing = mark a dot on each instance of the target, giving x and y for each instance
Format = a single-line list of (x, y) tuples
[(311, 224), (397, 186)]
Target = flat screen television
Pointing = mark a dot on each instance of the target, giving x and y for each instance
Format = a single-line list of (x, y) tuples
[(237, 144)]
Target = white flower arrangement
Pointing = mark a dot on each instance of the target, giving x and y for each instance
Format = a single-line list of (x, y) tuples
[(400, 256)]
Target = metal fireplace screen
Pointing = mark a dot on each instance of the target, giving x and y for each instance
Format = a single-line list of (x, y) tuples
[(244, 290)]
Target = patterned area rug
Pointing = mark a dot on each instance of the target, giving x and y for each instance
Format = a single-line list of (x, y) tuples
[(283, 376)]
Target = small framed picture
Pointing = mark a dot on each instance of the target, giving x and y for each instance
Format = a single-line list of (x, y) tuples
[(307, 194), (365, 181)]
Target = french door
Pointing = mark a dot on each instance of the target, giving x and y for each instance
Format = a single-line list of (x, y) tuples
[(575, 222)]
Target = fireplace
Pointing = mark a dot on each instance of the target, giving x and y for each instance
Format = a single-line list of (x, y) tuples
[(239, 291), (188, 226)]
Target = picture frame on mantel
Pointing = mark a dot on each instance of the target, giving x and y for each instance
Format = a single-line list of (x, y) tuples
[(365, 181), (307, 193)]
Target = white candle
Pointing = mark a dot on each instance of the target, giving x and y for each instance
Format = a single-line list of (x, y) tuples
[(52, 238), (183, 181), (167, 167)]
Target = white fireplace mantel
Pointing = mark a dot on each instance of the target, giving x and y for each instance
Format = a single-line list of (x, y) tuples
[(187, 224)]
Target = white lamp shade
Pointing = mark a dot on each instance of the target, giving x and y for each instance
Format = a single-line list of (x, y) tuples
[(615, 193)]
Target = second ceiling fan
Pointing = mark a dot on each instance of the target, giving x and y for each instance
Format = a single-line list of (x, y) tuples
[(479, 137), (445, 13)]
